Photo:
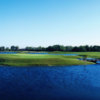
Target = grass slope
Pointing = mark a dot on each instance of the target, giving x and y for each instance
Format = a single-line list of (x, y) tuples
[(39, 60)]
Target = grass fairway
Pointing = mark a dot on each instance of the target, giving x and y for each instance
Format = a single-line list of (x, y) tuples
[(39, 60)]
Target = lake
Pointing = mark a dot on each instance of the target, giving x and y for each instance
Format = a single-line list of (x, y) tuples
[(39, 53), (8, 52), (50, 83), (55, 54)]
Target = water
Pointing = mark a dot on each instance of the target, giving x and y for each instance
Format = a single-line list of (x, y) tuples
[(50, 83), (8, 52), (55, 54), (37, 53), (65, 54), (87, 59), (40, 53)]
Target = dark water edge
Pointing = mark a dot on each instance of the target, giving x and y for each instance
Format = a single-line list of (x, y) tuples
[(50, 83)]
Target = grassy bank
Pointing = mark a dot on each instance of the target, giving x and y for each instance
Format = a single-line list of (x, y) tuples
[(39, 60)]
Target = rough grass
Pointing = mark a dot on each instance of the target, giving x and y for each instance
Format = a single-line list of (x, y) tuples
[(39, 60)]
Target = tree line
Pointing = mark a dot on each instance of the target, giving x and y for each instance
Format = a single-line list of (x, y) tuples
[(85, 48)]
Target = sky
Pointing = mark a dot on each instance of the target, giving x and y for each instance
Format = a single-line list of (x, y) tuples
[(49, 22)]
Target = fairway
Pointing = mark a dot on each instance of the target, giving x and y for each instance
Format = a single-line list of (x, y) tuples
[(39, 60)]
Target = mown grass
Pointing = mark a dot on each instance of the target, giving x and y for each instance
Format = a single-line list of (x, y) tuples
[(39, 60)]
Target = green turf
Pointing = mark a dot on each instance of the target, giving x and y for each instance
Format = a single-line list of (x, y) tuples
[(39, 60)]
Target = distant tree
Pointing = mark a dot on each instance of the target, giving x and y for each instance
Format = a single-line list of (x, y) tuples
[(2, 48), (7, 49), (58, 48), (82, 48), (49, 48), (14, 48), (39, 48), (62, 48), (17, 48), (87, 48), (96, 48), (54, 48), (29, 48), (68, 48), (75, 49)]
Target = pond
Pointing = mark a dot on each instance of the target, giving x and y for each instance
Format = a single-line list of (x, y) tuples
[(38, 53), (65, 54), (50, 83), (55, 54), (43, 53), (8, 52)]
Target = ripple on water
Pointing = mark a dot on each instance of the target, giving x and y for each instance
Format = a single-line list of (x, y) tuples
[(50, 83)]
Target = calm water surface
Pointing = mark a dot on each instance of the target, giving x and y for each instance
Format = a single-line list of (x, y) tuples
[(50, 83), (8, 52), (39, 53), (55, 54)]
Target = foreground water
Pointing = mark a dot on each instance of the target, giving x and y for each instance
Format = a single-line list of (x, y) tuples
[(50, 83)]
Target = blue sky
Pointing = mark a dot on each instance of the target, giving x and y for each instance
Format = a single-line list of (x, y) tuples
[(49, 22)]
